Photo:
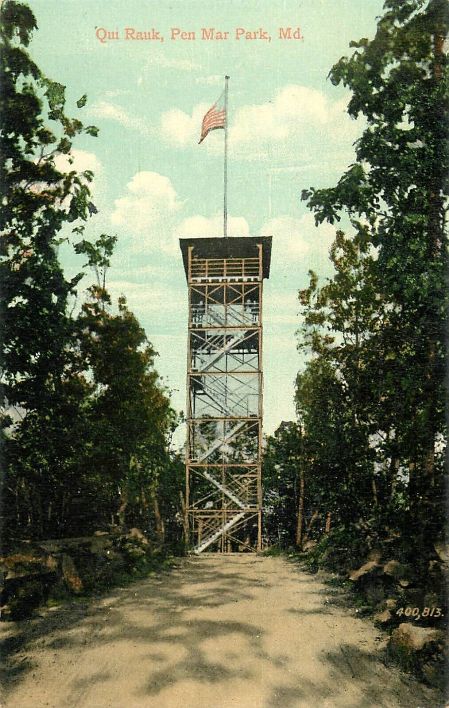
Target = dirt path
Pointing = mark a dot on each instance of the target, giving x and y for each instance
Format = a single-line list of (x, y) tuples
[(215, 632)]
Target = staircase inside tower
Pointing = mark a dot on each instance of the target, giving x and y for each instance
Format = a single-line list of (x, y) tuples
[(224, 392)]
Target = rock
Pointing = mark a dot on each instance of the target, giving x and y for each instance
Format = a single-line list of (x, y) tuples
[(383, 619), (404, 583), (370, 568), (137, 535), (442, 551), (395, 569), (414, 639), (25, 597), (20, 558), (374, 591), (99, 544), (309, 545), (51, 563), (419, 649), (391, 603), (31, 565), (70, 574), (18, 574), (371, 581), (374, 555)]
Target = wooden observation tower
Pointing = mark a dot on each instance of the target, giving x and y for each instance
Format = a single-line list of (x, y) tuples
[(224, 391)]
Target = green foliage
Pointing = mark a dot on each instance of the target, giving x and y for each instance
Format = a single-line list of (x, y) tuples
[(335, 402), (17, 21), (370, 400), (282, 460), (340, 550), (128, 411), (87, 422), (40, 393)]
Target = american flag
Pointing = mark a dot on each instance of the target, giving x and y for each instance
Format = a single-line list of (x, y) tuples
[(214, 118)]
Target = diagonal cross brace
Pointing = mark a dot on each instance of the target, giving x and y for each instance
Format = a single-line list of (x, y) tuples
[(218, 443), (213, 537), (220, 352), (222, 488)]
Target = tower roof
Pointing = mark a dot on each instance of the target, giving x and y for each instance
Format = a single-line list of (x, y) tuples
[(231, 247)]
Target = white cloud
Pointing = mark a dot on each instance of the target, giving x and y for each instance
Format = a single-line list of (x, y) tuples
[(148, 210), (292, 106), (78, 161), (299, 238), (82, 160), (144, 297), (109, 111), (181, 129), (212, 226), (296, 118)]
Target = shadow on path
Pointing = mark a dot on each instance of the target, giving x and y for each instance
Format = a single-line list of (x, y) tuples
[(212, 622)]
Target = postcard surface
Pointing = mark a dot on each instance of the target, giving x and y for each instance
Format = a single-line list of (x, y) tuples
[(219, 134)]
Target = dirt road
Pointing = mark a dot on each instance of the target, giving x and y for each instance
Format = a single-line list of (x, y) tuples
[(215, 632)]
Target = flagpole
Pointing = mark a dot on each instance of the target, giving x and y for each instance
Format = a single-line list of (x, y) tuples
[(225, 175)]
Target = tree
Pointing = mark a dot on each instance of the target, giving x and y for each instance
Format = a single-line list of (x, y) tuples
[(87, 420), (341, 323), (397, 192), (40, 395), (282, 467), (129, 411), (37, 199)]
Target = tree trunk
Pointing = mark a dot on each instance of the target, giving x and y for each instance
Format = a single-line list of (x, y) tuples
[(159, 522), (374, 490), (300, 519), (313, 518), (185, 520), (123, 504), (392, 477)]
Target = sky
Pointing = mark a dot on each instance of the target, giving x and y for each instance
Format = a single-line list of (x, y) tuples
[(288, 130)]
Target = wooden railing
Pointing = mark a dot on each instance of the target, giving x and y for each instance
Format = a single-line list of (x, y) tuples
[(224, 268)]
